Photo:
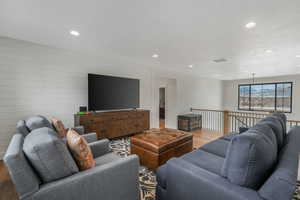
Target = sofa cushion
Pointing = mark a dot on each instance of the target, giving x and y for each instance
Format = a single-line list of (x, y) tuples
[(282, 183), (275, 124), (160, 193), (49, 155), (80, 149), (250, 158), (217, 147), (22, 174), (283, 120), (229, 136), (107, 158), (37, 122), (205, 160), (161, 176), (21, 128), (264, 128)]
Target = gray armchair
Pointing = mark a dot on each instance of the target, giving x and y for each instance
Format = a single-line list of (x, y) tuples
[(113, 178)]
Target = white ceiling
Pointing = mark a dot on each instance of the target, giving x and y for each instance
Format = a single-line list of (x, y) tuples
[(182, 32)]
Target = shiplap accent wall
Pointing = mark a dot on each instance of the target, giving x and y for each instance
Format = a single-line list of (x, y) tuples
[(36, 79)]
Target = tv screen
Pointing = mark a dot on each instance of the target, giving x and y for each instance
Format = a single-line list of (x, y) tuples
[(109, 93)]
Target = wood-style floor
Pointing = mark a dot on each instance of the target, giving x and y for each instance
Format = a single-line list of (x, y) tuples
[(203, 136), (7, 190)]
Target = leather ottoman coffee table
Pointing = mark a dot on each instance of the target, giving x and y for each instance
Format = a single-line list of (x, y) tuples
[(156, 146)]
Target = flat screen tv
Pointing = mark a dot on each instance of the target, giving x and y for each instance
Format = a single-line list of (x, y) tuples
[(110, 93)]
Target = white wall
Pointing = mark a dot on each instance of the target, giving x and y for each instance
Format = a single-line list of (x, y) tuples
[(37, 79), (171, 110), (230, 92), (199, 93)]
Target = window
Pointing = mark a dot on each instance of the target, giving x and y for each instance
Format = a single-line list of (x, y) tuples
[(266, 97)]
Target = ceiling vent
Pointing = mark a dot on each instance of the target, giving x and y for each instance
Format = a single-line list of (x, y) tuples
[(220, 60)]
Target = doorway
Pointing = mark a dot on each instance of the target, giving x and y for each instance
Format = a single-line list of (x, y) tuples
[(162, 107)]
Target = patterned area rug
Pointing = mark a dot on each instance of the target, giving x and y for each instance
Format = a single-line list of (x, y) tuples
[(147, 177)]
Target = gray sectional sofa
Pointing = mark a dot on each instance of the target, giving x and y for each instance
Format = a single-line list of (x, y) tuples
[(42, 168), (259, 164)]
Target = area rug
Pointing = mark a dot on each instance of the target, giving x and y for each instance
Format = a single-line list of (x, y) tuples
[(147, 177)]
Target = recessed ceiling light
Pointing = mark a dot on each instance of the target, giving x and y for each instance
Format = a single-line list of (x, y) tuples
[(269, 51), (297, 56), (154, 56), (191, 66), (250, 25), (75, 33)]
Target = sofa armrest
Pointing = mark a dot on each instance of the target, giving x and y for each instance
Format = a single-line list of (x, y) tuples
[(90, 137), (79, 129), (188, 181), (100, 147), (111, 181)]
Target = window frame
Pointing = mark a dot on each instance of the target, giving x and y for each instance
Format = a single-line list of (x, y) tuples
[(275, 106)]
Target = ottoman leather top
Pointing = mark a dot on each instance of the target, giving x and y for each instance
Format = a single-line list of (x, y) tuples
[(160, 140)]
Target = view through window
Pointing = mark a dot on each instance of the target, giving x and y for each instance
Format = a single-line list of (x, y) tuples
[(266, 97)]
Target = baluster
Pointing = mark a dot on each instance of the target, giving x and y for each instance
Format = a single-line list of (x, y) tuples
[(206, 120), (232, 122), (220, 125), (210, 121)]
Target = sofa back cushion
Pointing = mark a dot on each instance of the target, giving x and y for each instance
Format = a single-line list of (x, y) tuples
[(283, 120), (22, 174), (37, 122), (282, 183), (49, 155), (275, 124), (250, 157), (22, 128)]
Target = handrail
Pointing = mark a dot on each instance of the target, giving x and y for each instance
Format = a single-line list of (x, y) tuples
[(229, 121), (208, 110), (242, 122)]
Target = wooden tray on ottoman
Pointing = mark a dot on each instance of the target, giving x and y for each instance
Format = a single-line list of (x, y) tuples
[(156, 146)]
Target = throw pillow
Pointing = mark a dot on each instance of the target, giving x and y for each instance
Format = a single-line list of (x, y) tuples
[(59, 127), (243, 129), (81, 150)]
